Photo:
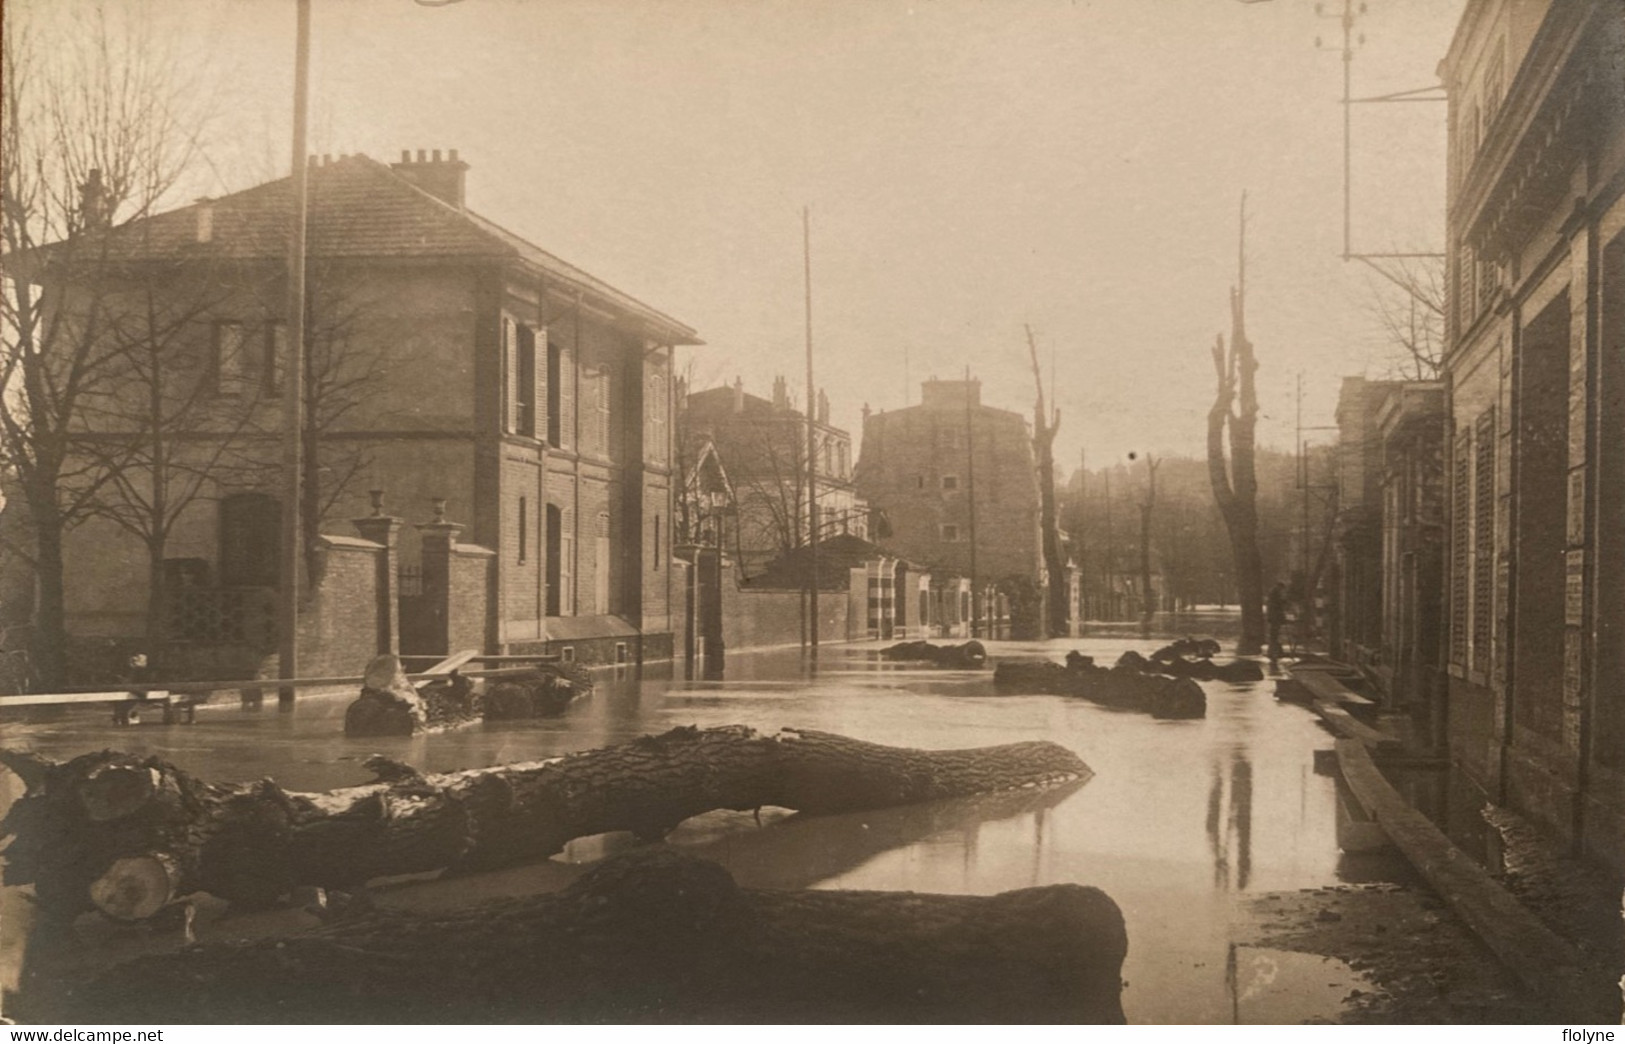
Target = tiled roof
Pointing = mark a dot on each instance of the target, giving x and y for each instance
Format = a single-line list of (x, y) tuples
[(359, 208)]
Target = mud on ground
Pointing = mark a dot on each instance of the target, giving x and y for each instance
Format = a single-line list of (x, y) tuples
[(1422, 964)]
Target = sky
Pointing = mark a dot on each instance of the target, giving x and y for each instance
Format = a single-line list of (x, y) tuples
[(971, 167)]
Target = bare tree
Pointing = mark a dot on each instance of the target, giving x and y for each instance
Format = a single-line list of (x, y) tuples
[(342, 365), (1408, 307), (1234, 480), (1045, 425), (95, 132), (168, 428)]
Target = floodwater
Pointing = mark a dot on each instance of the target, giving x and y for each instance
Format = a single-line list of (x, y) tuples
[(1180, 819)]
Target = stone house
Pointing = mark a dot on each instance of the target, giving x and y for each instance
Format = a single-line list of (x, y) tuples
[(458, 369), (1535, 365)]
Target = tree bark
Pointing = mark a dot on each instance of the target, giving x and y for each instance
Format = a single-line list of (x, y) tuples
[(1045, 425), (653, 936), (254, 843)]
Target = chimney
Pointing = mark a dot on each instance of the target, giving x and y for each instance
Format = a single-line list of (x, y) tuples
[(93, 209), (205, 220), (781, 394), (739, 395), (823, 407), (441, 178)]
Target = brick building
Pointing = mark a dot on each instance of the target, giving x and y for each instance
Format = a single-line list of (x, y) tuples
[(762, 447), (459, 363), (1535, 365), (920, 465)]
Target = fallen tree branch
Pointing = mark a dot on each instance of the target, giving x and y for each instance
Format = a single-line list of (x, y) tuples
[(655, 936), (127, 835)]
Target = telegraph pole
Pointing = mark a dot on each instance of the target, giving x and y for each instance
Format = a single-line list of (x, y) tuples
[(293, 390), (812, 444), (970, 483)]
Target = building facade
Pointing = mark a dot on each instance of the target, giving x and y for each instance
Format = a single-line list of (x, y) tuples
[(1536, 373), (762, 446), (449, 363), (958, 485)]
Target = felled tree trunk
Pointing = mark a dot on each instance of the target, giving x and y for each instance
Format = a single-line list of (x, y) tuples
[(1123, 686), (971, 655), (657, 936), (127, 835), (390, 705)]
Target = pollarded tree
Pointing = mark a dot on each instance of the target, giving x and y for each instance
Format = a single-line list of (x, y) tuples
[(1234, 480)]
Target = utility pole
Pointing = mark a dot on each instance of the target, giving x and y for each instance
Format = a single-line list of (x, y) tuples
[(812, 445), (293, 390), (1106, 478), (970, 482)]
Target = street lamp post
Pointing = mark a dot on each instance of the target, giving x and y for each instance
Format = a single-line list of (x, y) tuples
[(293, 391)]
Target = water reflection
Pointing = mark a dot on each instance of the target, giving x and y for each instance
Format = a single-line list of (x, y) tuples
[(1179, 817)]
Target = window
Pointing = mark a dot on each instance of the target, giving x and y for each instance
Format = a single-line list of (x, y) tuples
[(524, 528), (657, 542), (603, 411), (276, 350), (525, 383), (231, 362), (555, 360), (554, 535), (950, 532), (950, 482), (567, 574), (567, 654), (250, 530), (655, 407)]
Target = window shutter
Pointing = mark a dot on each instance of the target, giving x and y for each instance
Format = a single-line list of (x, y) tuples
[(510, 371)]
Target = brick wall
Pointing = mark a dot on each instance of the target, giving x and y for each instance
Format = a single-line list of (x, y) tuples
[(468, 598), (915, 467), (338, 624), (753, 619)]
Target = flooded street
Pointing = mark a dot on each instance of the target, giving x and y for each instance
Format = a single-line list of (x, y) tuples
[(1181, 819)]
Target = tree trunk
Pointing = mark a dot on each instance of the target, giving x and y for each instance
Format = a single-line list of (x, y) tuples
[(252, 843), (48, 652), (654, 936)]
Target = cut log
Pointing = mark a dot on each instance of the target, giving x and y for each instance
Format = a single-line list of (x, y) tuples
[(543, 691), (390, 705), (966, 656), (1122, 687), (253, 843), (655, 936), (134, 888), (1236, 671), (1194, 648)]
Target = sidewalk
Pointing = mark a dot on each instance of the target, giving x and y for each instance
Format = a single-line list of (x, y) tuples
[(1550, 920)]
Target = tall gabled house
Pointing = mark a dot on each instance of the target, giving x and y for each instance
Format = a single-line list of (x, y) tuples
[(457, 368)]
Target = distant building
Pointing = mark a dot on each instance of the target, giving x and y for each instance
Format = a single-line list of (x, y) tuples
[(1535, 363), (920, 466), (530, 399), (762, 447)]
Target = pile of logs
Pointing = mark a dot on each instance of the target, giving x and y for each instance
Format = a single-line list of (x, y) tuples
[(655, 936), (390, 705), (1193, 658), (129, 835), (967, 656), (1123, 687)]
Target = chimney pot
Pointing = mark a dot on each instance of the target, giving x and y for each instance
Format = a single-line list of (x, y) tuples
[(437, 155), (421, 155), (327, 157), (454, 155), (406, 155)]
